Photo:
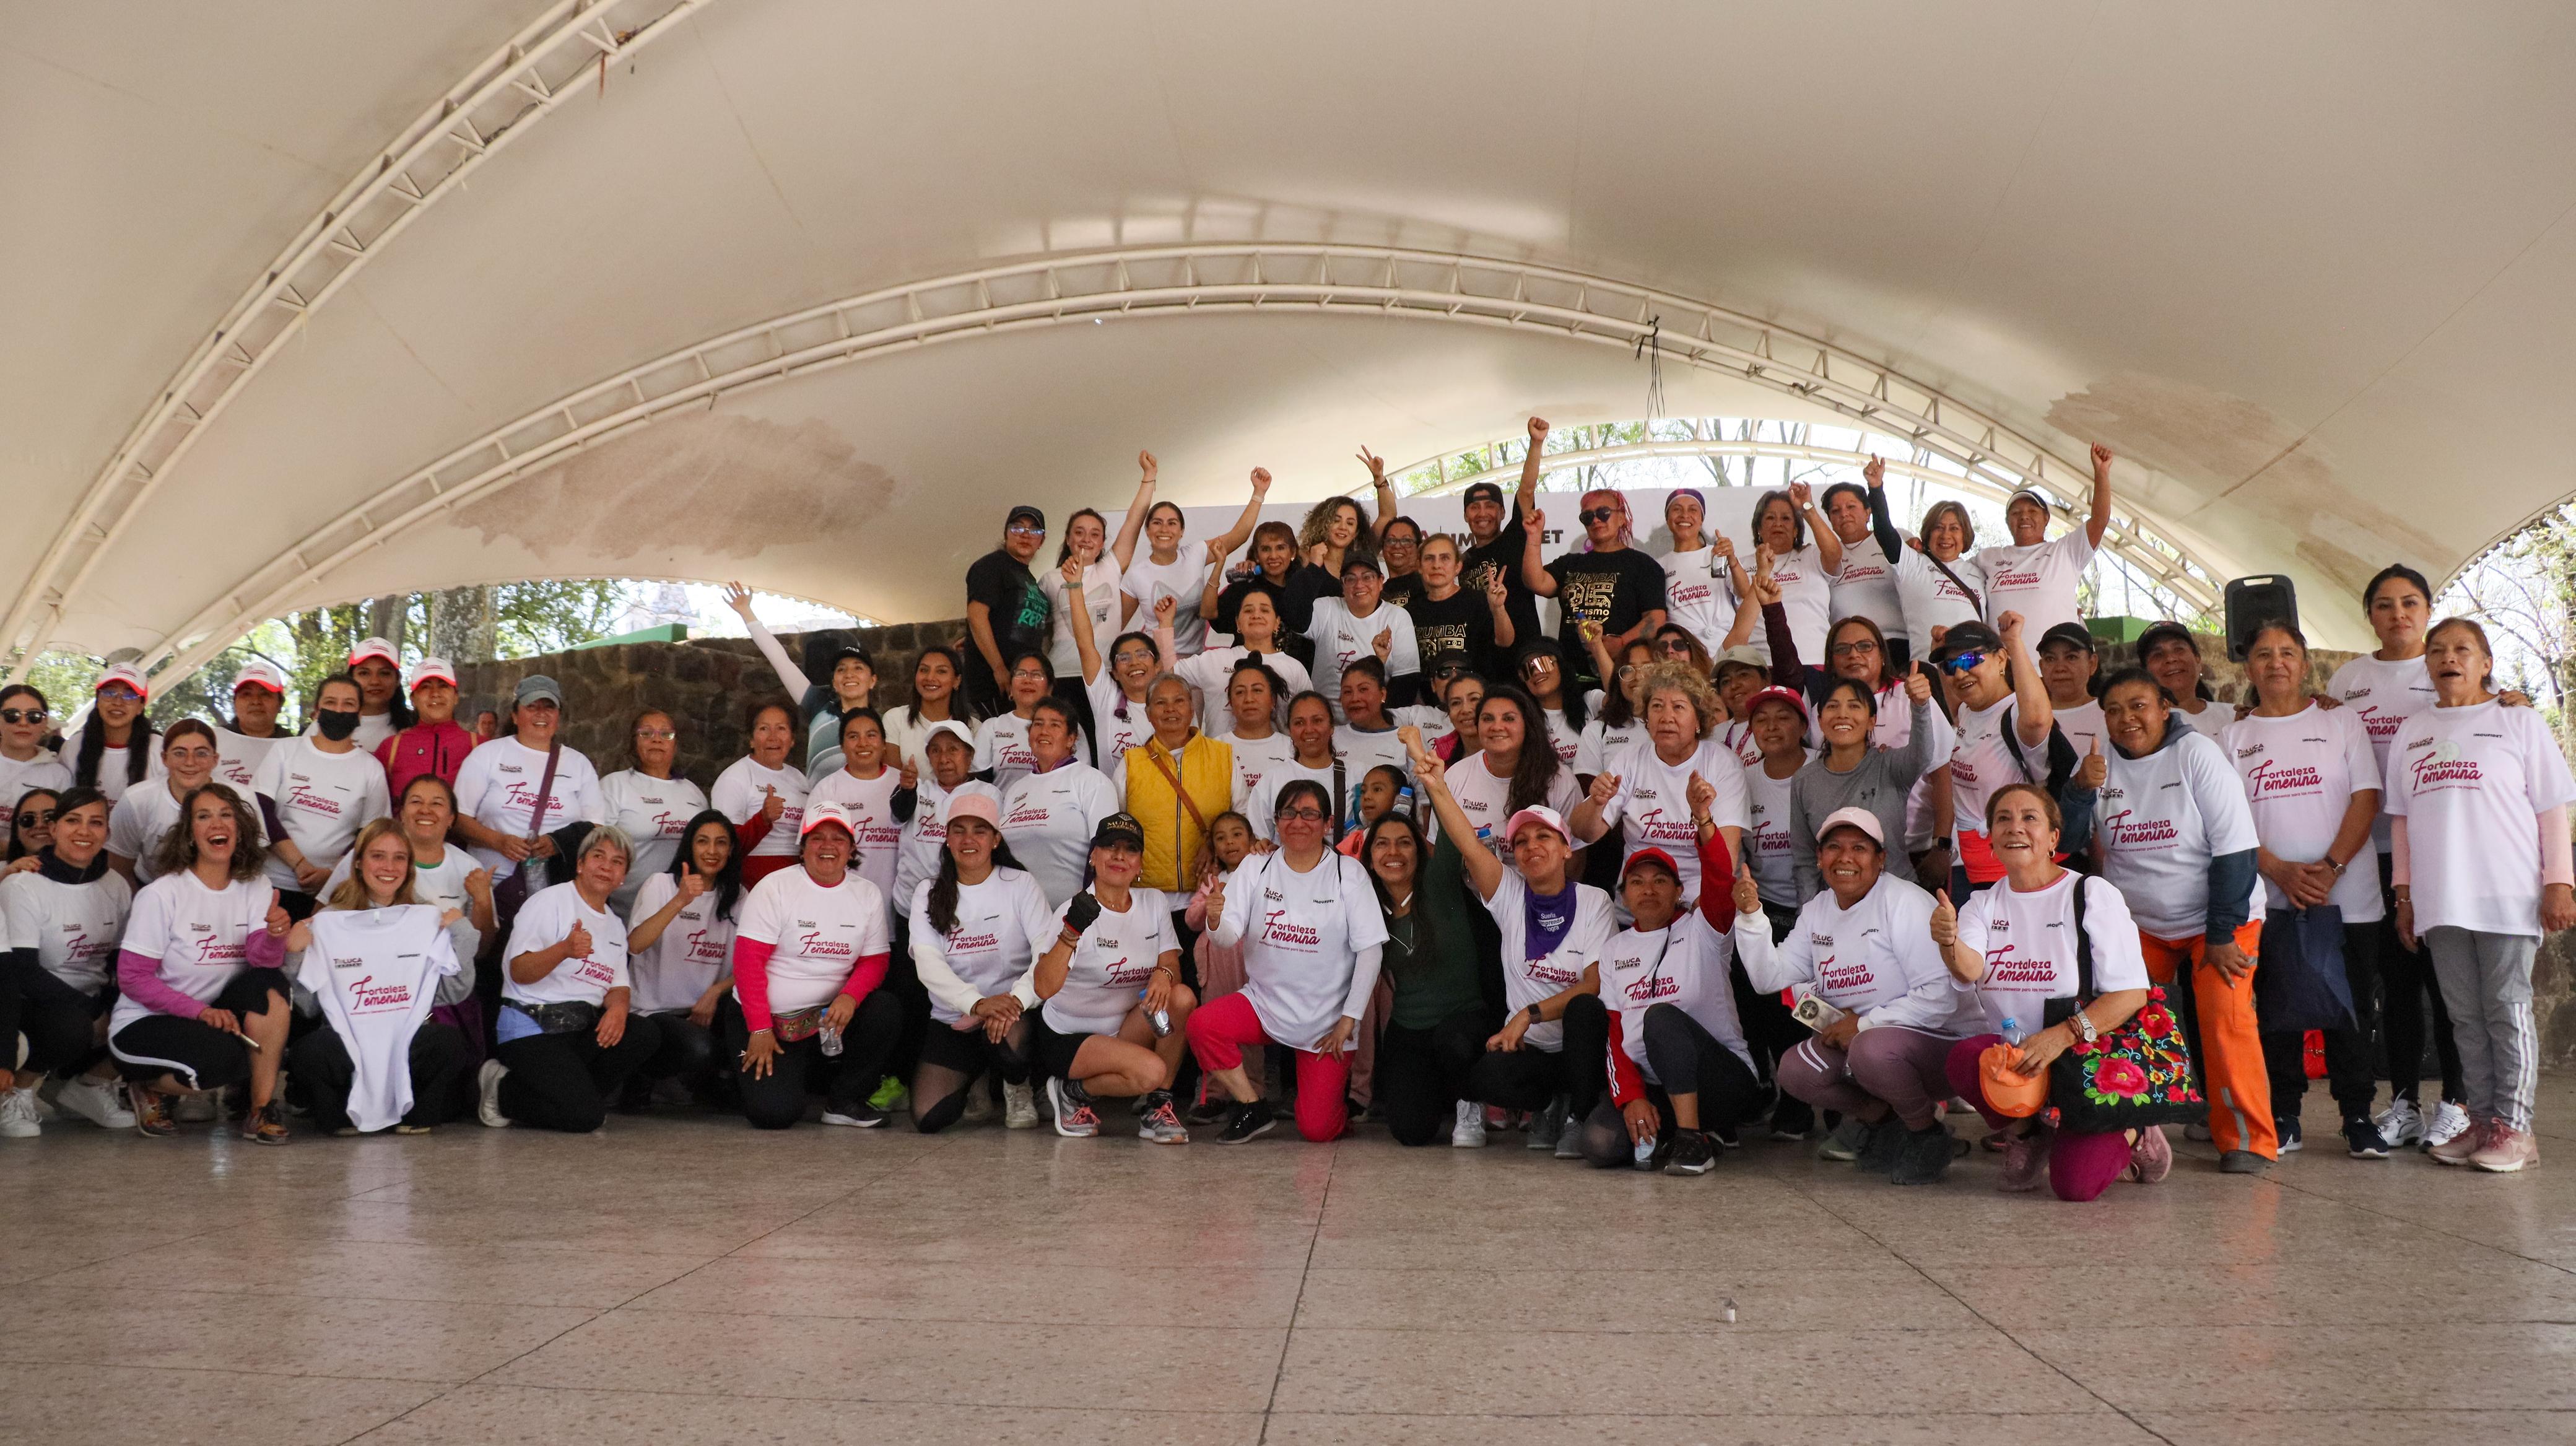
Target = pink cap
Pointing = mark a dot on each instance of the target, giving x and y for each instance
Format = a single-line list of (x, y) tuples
[(374, 648), (128, 674), (433, 670), (1859, 818), (819, 814), (975, 800), (1541, 814)]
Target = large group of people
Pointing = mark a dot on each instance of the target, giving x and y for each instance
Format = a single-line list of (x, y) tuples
[(1793, 835)]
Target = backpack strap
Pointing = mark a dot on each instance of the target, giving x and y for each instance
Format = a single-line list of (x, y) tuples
[(2083, 947)]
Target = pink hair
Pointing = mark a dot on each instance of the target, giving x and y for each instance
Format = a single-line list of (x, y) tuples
[(1627, 515)]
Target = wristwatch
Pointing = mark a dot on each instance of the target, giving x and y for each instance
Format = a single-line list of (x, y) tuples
[(1535, 1018), (2084, 1026)]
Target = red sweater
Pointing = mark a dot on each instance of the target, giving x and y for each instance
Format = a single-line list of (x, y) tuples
[(438, 748)]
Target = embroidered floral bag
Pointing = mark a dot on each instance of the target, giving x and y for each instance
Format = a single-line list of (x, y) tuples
[(2139, 1074)]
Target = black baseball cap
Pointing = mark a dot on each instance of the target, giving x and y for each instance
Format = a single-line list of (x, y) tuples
[(1357, 557), (1489, 491), (1026, 513), (1446, 662), (2074, 635), (1967, 638), (2166, 632), (1119, 828)]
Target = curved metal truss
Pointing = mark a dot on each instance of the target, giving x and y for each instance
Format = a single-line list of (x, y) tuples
[(496, 102), (1182, 280)]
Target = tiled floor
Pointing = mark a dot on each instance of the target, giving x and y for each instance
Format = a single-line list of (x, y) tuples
[(685, 1280)]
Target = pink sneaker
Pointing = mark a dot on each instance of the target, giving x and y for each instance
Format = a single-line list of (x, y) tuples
[(2150, 1156), (2506, 1149), (2025, 1159), (2458, 1149)]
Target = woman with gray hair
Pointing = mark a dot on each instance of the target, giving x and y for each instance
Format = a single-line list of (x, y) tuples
[(567, 1043)]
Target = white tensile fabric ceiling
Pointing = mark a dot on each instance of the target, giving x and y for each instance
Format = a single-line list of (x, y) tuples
[(2306, 266)]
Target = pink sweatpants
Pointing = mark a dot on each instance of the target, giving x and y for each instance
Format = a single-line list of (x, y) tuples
[(1220, 1030), (2080, 1167)]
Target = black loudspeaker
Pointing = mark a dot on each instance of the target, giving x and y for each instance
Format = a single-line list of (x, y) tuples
[(2252, 602)]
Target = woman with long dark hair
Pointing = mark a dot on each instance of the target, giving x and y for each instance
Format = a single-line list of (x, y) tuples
[(976, 926), (59, 927), (376, 665), (1562, 705), (112, 750), (31, 824), (935, 700), (25, 761), (1513, 768), (679, 936)]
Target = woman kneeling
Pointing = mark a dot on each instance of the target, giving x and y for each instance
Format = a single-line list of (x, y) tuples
[(566, 1041), (1114, 1002), (808, 956)]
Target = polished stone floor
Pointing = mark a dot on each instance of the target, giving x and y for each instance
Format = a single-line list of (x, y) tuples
[(684, 1280)]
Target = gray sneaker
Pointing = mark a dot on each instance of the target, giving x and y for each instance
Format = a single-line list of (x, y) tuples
[(1547, 1127), (1844, 1144)]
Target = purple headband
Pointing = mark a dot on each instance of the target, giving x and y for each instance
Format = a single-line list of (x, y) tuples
[(1690, 492)]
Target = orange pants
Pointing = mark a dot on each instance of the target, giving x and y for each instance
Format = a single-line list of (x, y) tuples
[(2230, 1045)]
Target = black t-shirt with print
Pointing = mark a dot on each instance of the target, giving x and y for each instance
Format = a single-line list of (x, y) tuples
[(1462, 620), (1613, 589), (1016, 609), (1504, 554)]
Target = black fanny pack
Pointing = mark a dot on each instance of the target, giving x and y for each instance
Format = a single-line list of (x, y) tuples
[(567, 1018)]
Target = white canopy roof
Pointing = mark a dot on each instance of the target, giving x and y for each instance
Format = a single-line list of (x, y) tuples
[(2306, 267)]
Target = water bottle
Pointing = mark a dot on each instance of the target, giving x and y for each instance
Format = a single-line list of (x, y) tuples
[(2012, 1031), (831, 1042), (1404, 800), (1644, 1153), (1161, 1019)]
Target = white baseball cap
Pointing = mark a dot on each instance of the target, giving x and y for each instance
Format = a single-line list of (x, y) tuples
[(1859, 818), (375, 648), (826, 811), (433, 670), (260, 673), (128, 674)]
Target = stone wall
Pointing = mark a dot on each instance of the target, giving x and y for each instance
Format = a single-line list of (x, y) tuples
[(707, 685)]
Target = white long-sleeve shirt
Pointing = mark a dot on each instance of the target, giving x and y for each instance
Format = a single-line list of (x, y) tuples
[(1875, 959)]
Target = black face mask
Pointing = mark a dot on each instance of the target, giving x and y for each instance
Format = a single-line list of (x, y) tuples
[(335, 724)]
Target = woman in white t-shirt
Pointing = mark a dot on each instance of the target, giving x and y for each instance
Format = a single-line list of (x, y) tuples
[(679, 939), (852, 675), (1212, 671), (652, 802), (2478, 795), (1513, 768), (1115, 689), (2038, 578), (315, 792), (1049, 814), (1562, 708), (1310, 739), (865, 788), (975, 923), (808, 957), (934, 701), (568, 1037), (1254, 693), (1620, 721), (111, 750), (1864, 586), (147, 813), (1551, 1053), (201, 1001), (2176, 837), (1171, 569), (944, 764), (1803, 570), (450, 878), (2313, 784), (1992, 681), (2383, 689), (498, 811), (1089, 565), (59, 927), (1307, 920), (1107, 1010), (764, 794), (381, 1036), (2170, 653), (25, 762), (1645, 789), (2016, 946), (1937, 583), (1697, 596), (1002, 741)]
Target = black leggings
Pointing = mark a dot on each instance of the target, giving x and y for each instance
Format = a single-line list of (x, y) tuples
[(565, 1081), (1531, 1079), (1422, 1073), (903, 982), (952, 1060), (2352, 1070), (687, 1052), (201, 1056), (60, 1022), (319, 1069), (1689, 1060), (776, 1100), (2408, 977)]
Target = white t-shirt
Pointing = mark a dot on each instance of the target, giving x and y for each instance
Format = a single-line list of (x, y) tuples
[(1697, 598), (1113, 734), (2385, 694), (1482, 796), (1807, 598), (199, 935), (497, 788), (1736, 736), (1003, 924), (74, 928), (687, 958), (2161, 819), (1212, 673), (1768, 843), (1931, 600), (918, 859), (907, 732), (1101, 587), (442, 884), (1341, 639), (42, 771), (1262, 808), (322, 800), (2082, 725), (654, 813), (1256, 760), (1111, 965), (1562, 736), (1866, 587), (144, 817), (2029, 944), (817, 935), (1048, 818), (871, 805), (1875, 959), (2471, 784), (1182, 579), (1604, 744), (111, 765), (1981, 761), (373, 728), (1683, 965), (1303, 936), (238, 757), (743, 789), (1654, 802), (2038, 581), (546, 920), (376, 974), (1526, 981), (1002, 747), (1359, 752), (2300, 773)]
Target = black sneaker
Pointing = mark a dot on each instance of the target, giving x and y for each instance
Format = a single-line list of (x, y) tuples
[(2288, 1133), (863, 1116), (1210, 1110), (1792, 1118), (1882, 1148), (1247, 1121), (1922, 1156), (2362, 1140), (1692, 1154)]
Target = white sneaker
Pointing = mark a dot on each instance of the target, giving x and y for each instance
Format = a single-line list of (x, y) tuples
[(1019, 1106), (18, 1119), (2447, 1123), (487, 1088), (2400, 1124), (100, 1103), (1469, 1132)]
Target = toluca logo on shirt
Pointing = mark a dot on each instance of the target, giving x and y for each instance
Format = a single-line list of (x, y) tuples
[(353, 962), (2249, 750)]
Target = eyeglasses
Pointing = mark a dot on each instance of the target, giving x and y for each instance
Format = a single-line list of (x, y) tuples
[(22, 715), (1964, 662), (120, 692), (1628, 670), (1302, 815), (1596, 514), (1859, 645), (657, 735), (34, 817)]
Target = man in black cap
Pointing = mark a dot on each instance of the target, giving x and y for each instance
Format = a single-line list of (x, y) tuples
[(1499, 538), (1006, 614), (2068, 661)]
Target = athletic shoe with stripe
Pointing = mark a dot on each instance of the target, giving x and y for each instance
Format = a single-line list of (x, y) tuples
[(1248, 1121), (1075, 1119), (1161, 1124)]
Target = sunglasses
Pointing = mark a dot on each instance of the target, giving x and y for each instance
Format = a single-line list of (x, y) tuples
[(1596, 514), (1022, 529), (1962, 663), (35, 817), (1674, 646), (22, 715)]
